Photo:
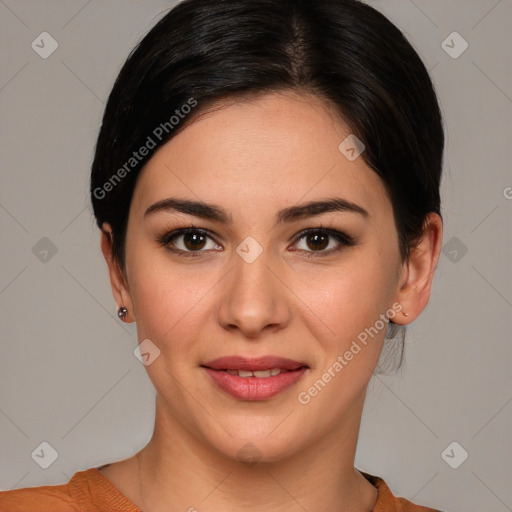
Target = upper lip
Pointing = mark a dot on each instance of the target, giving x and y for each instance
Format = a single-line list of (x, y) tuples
[(250, 364)]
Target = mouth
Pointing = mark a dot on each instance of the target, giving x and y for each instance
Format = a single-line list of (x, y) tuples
[(261, 374), (254, 379)]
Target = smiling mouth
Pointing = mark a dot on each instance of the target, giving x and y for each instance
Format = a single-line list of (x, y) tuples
[(254, 385), (268, 363), (261, 374), (254, 378)]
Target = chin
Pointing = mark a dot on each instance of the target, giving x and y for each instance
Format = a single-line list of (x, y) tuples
[(251, 445)]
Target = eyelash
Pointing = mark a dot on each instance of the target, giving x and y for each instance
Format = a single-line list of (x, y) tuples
[(343, 239)]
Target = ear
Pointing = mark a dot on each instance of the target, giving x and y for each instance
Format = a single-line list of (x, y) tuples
[(118, 281), (417, 274)]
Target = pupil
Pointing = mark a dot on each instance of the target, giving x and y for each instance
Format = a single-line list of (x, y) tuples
[(323, 244), (197, 240)]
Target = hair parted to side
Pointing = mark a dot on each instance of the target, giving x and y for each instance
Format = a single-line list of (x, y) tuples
[(343, 51)]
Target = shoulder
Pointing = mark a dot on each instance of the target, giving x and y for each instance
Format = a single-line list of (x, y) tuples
[(86, 491), (387, 502), (37, 499)]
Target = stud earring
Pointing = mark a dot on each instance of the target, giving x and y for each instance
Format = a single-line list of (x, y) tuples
[(122, 312), (406, 314)]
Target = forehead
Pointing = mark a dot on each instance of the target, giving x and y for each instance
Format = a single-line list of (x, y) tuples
[(274, 150)]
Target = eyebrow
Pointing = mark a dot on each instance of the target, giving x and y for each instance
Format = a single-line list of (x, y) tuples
[(290, 214)]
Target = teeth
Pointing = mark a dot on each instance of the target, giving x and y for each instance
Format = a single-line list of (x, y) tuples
[(262, 374)]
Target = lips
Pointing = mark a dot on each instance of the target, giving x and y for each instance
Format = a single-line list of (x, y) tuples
[(253, 364), (254, 379)]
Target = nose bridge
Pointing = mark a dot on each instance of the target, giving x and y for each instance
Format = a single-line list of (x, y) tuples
[(253, 299), (251, 271), (252, 277)]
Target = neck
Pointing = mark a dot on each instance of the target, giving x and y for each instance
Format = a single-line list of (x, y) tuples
[(177, 469)]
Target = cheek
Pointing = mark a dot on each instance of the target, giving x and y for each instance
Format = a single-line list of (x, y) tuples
[(350, 297), (349, 336), (168, 300)]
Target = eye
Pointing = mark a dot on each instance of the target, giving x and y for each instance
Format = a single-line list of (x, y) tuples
[(189, 241), (317, 240), (194, 241)]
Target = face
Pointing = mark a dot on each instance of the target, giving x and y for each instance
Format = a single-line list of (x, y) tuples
[(257, 276)]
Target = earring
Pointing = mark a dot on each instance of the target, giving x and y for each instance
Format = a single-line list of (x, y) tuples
[(406, 314), (122, 312)]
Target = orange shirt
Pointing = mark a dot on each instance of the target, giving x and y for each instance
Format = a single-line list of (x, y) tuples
[(91, 491)]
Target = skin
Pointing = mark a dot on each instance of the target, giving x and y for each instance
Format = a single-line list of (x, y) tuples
[(253, 158)]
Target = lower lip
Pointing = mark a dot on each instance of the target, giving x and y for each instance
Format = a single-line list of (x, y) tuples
[(255, 388)]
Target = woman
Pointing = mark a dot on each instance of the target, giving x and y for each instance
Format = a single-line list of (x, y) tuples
[(266, 181)]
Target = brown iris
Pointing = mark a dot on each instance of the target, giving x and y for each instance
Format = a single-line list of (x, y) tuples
[(316, 242), (194, 241)]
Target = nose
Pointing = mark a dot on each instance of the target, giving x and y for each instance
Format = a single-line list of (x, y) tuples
[(254, 298)]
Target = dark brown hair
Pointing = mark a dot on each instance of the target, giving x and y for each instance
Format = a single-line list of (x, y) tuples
[(342, 51)]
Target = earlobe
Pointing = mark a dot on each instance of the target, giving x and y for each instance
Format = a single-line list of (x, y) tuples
[(417, 273), (118, 281)]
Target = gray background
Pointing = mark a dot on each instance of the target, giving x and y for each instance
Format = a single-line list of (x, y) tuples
[(67, 369)]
